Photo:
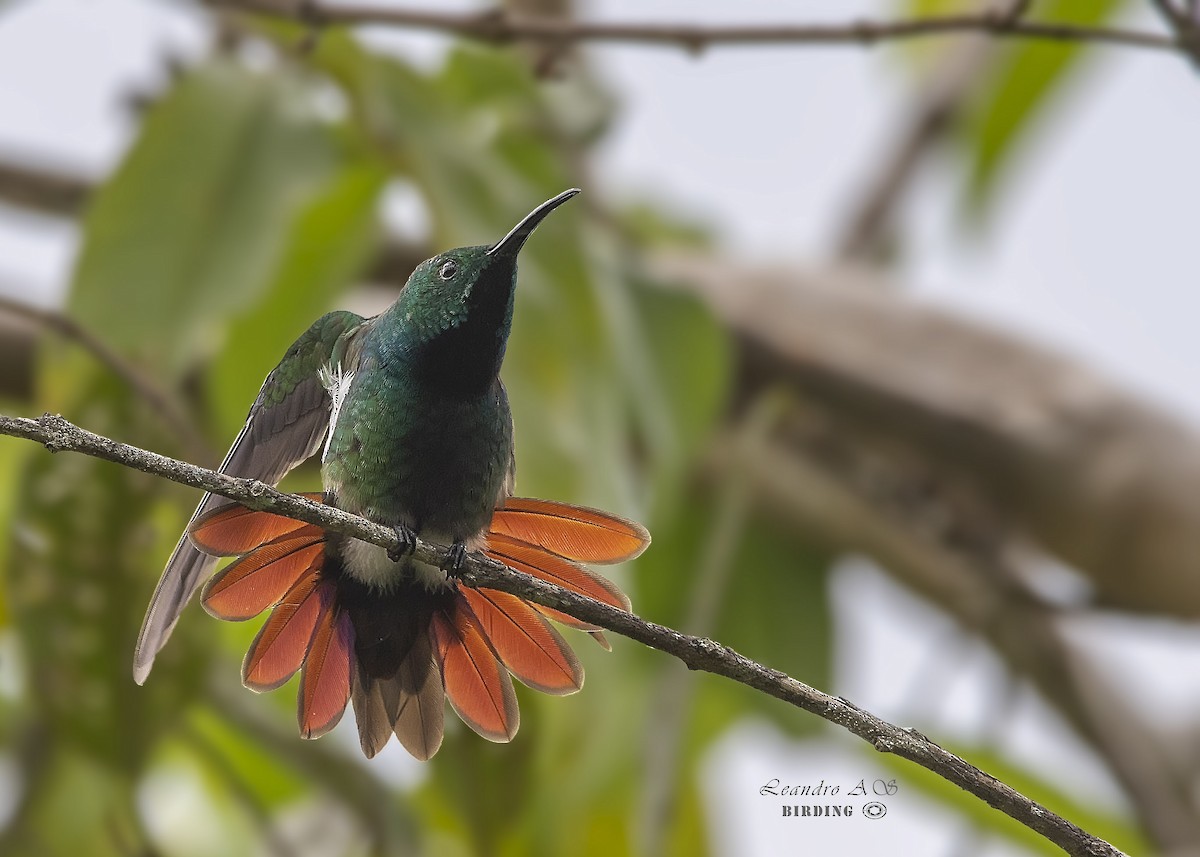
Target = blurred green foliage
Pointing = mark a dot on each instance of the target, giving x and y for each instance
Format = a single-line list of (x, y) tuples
[(1017, 89), (248, 205)]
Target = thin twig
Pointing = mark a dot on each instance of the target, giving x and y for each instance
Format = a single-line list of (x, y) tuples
[(500, 26), (59, 435), (934, 110), (50, 191), (159, 400), (1174, 17), (1183, 25)]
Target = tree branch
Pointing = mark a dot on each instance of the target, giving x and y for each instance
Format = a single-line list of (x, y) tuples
[(59, 435), (501, 26)]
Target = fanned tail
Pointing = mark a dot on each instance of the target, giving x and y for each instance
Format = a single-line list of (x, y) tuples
[(397, 683), (398, 655), (325, 678), (553, 568), (283, 566), (278, 651), (306, 632), (410, 705)]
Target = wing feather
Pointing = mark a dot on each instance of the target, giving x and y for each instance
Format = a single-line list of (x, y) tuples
[(286, 425)]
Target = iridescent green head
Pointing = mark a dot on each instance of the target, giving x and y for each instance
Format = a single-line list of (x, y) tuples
[(452, 319)]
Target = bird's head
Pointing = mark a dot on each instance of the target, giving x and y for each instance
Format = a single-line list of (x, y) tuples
[(455, 312)]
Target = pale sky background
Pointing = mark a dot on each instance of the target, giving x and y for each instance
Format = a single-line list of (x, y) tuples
[(1092, 249)]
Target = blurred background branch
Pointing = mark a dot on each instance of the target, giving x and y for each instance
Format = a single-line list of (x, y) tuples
[(40, 188)]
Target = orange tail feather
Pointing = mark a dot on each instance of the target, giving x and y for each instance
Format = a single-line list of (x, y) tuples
[(282, 643), (573, 532), (564, 618), (525, 642), (233, 529), (325, 679), (477, 686), (554, 568), (258, 580)]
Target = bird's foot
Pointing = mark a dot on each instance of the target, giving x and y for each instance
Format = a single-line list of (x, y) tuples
[(454, 559), (408, 543)]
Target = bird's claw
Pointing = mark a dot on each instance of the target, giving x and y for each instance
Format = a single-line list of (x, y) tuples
[(454, 559), (408, 543)]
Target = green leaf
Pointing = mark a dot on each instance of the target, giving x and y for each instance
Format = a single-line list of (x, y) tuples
[(486, 781), (12, 456), (1017, 87), (74, 807), (232, 754), (773, 607), (326, 769), (84, 546), (1024, 80), (687, 835), (193, 223), (693, 357), (484, 77)]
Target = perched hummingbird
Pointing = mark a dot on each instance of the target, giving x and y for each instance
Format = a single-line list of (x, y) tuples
[(414, 429)]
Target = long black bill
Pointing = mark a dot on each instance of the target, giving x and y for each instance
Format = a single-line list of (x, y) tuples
[(511, 243)]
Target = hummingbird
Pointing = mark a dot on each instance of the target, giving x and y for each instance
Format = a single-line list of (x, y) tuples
[(413, 425)]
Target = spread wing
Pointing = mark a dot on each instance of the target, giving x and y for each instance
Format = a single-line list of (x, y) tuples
[(286, 425)]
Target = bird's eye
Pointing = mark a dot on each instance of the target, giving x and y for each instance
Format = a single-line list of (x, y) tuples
[(448, 270)]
